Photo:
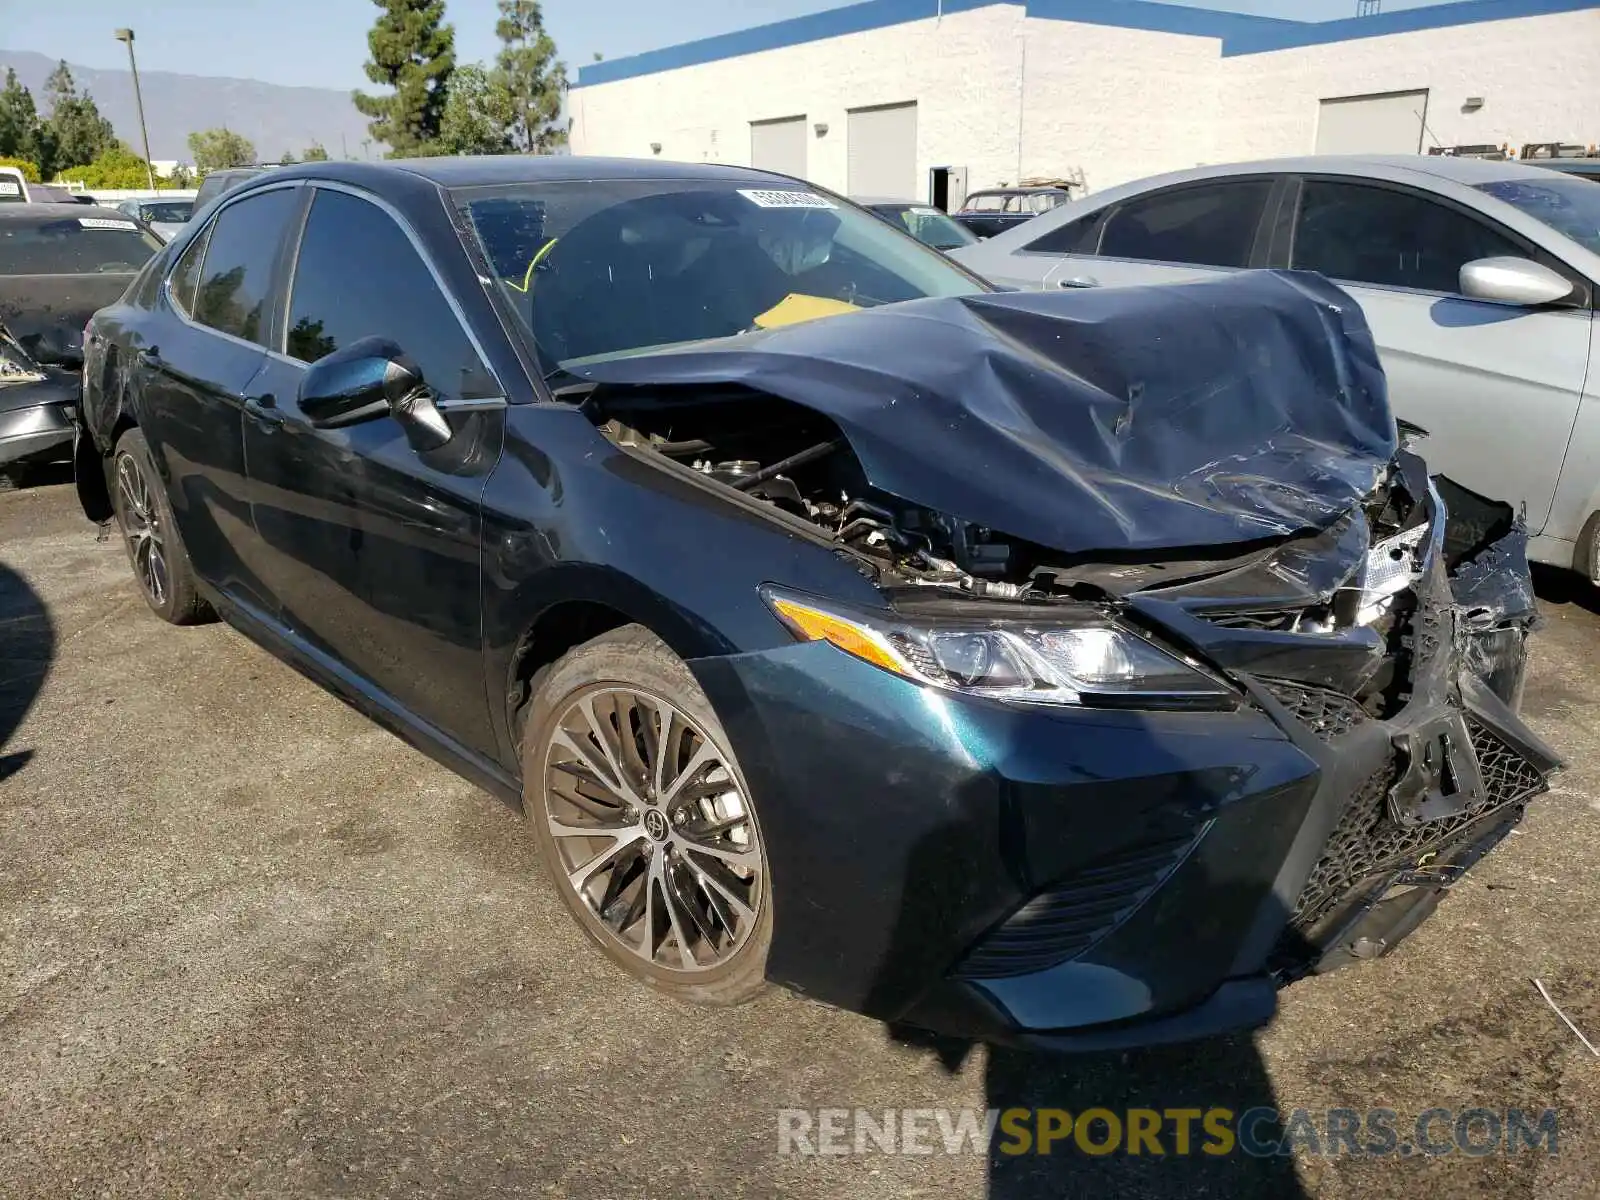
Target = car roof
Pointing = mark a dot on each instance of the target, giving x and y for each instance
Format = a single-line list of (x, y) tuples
[(499, 169), (55, 210), (1468, 171), (1016, 191)]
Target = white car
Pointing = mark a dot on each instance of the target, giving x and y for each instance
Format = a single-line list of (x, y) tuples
[(1479, 280), (166, 217)]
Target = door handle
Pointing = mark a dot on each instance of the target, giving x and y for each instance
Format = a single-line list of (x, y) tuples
[(1078, 281), (263, 409)]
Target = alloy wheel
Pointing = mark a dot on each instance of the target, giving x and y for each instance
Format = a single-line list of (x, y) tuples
[(141, 527), (653, 829)]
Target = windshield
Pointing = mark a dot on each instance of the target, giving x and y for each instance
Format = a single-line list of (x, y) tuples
[(174, 212), (603, 268), (930, 226), (1569, 206), (74, 245)]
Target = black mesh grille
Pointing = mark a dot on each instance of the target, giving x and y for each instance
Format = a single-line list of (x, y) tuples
[(1074, 914), (1368, 841), (1327, 713)]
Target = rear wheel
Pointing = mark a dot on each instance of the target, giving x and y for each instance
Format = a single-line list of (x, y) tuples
[(639, 811), (155, 549)]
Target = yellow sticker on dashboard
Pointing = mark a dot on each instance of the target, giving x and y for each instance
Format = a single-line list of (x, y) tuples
[(795, 308)]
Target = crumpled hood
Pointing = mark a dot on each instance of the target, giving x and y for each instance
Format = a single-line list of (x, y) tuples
[(1238, 409)]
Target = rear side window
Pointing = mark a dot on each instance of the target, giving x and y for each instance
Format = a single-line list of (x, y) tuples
[(242, 251), (1213, 225), (1394, 239), (186, 275), (358, 276), (1075, 237)]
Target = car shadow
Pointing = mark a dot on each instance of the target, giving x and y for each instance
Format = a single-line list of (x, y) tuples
[(35, 475), (27, 648), (1553, 585)]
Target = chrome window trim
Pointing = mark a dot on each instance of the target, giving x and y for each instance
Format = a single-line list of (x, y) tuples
[(395, 215)]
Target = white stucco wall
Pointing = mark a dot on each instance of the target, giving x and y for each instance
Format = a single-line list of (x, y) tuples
[(1536, 76), (962, 71), (1008, 96), (1116, 103)]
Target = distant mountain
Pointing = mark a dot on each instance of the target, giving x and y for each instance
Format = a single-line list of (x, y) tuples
[(274, 118)]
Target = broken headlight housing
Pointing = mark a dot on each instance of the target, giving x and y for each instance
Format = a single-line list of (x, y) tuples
[(15, 365), (1082, 658)]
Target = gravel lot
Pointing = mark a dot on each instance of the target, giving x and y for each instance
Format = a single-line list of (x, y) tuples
[(252, 945)]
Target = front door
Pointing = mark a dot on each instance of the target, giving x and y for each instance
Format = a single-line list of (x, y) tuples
[(1495, 385), (371, 546)]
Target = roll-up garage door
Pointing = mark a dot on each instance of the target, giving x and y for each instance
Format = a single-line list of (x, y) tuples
[(779, 146), (1387, 124), (883, 152)]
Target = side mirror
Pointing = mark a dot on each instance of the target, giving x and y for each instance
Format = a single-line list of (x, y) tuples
[(369, 379), (1508, 280)]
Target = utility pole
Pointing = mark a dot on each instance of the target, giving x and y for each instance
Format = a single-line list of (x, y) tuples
[(126, 35)]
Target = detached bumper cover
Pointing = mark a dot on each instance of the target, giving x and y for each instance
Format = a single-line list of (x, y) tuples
[(1081, 879)]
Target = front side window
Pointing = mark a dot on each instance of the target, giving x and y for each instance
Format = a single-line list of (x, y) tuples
[(991, 202), (602, 268), (75, 245), (358, 275), (241, 253), (1074, 237), (1569, 205), (1210, 225), (1388, 238)]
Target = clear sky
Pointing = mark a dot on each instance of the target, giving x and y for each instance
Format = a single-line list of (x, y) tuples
[(322, 43)]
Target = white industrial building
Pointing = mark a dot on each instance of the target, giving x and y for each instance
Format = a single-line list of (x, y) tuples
[(901, 97)]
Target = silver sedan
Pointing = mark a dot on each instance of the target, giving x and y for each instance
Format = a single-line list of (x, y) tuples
[(1479, 280)]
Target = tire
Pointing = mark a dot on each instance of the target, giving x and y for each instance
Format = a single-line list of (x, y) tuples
[(688, 868), (155, 548)]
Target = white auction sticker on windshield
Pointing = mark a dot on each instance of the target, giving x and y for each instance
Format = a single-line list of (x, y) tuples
[(8, 188), (105, 223), (780, 198)]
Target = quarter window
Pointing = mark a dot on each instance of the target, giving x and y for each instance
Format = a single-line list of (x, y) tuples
[(1394, 239), (1075, 237), (360, 276), (1213, 225), (234, 294)]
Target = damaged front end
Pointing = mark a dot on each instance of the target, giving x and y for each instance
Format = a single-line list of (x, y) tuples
[(1210, 469)]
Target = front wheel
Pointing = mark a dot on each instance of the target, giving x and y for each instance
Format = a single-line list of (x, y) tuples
[(641, 815), (155, 549)]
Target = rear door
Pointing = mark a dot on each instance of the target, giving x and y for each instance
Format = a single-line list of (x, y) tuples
[(193, 366), (1496, 385), (372, 547), (1189, 231)]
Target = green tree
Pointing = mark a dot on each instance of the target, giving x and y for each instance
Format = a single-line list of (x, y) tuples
[(477, 114), (287, 160), (413, 54), (214, 149), (181, 177), (532, 75), (80, 133), (18, 120), (314, 153), (116, 167)]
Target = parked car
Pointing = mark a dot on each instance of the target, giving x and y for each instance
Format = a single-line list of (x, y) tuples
[(993, 212), (57, 265), (929, 225), (1477, 278), (166, 217), (1578, 168), (217, 182), (835, 620)]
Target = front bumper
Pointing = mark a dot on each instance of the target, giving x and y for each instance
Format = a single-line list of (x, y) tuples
[(36, 420), (1082, 879)]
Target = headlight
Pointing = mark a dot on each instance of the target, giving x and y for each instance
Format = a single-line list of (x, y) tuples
[(1077, 658)]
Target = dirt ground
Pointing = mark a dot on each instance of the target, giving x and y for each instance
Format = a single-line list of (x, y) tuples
[(252, 945)]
